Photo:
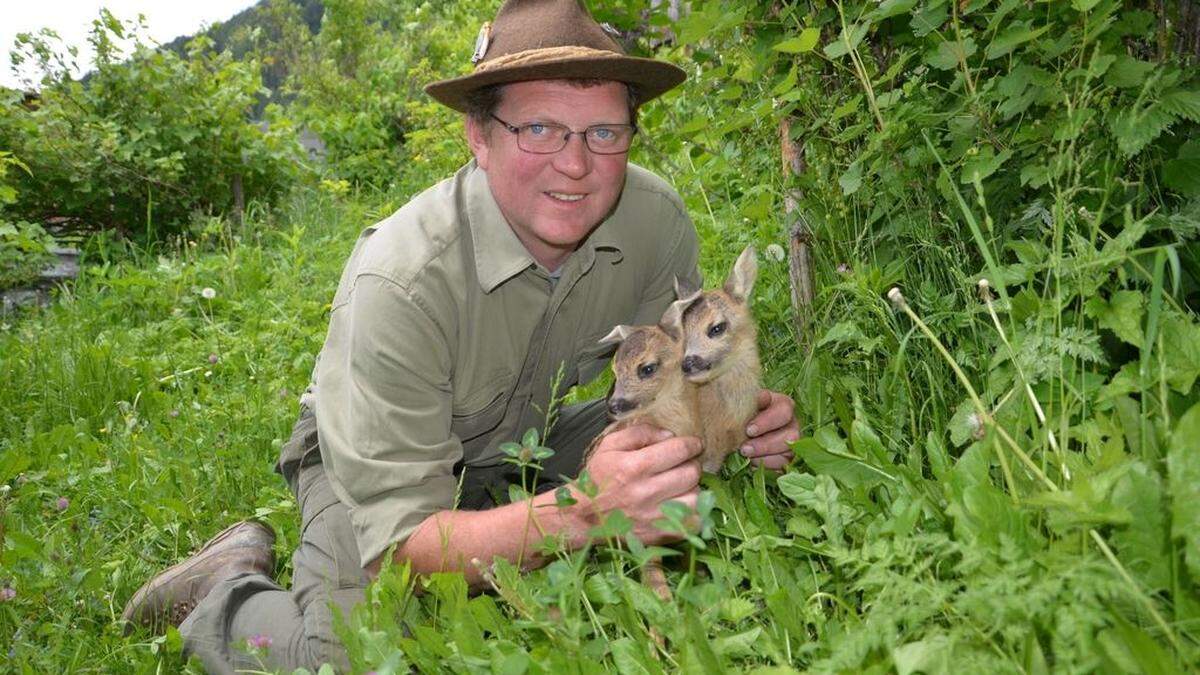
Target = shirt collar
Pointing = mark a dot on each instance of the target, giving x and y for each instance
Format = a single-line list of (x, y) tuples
[(499, 254)]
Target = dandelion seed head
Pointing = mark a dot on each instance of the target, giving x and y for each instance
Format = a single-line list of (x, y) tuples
[(896, 296), (208, 293), (775, 252), (213, 358), (843, 268)]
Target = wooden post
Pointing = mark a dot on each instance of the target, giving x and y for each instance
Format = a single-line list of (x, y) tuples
[(800, 237), (239, 200)]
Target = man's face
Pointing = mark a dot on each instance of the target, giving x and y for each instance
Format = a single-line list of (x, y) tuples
[(552, 201)]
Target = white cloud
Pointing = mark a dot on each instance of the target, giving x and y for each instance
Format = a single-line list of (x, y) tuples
[(72, 19)]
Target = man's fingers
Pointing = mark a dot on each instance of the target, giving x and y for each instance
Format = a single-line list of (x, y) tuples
[(773, 462), (673, 483), (667, 454), (778, 412), (772, 443), (632, 438)]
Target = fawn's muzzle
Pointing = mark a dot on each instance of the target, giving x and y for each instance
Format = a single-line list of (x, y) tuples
[(694, 364)]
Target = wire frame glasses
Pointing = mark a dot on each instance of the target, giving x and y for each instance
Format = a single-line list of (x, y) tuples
[(543, 138)]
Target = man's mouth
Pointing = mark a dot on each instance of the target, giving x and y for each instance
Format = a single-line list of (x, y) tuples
[(566, 196)]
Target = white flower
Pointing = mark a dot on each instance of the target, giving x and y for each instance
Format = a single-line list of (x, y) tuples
[(775, 252), (208, 293)]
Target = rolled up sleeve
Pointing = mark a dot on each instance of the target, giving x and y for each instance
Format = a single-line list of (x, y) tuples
[(383, 408)]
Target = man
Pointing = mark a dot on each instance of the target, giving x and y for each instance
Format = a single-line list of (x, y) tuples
[(450, 322)]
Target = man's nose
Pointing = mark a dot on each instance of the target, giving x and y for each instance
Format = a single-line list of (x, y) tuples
[(575, 159)]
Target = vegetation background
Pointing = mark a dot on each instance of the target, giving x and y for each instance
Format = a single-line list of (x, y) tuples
[(1006, 482)]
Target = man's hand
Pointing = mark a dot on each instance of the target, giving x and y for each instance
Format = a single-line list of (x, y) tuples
[(639, 468), (771, 430)]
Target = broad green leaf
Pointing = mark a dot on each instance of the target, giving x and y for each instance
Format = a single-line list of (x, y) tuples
[(1128, 72), (983, 165), (1142, 545), (890, 8), (628, 657), (1012, 38), (1183, 485), (851, 180), (697, 640), (1135, 129), (1182, 174), (931, 656), (847, 40), (844, 468), (948, 54), (1185, 104), (804, 42), (1122, 314), (1181, 346), (1084, 5), (1131, 650)]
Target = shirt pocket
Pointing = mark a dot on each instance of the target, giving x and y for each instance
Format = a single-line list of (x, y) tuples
[(482, 410)]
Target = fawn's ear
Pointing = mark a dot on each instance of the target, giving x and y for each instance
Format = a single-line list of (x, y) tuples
[(672, 319), (684, 288), (617, 336), (741, 278)]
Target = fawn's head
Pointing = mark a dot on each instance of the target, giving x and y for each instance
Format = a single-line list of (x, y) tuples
[(717, 323), (648, 363)]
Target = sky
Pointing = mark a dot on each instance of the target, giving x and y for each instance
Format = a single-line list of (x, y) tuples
[(71, 19)]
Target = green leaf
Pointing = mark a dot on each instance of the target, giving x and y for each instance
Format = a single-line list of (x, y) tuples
[(804, 42), (1185, 104), (1122, 314), (851, 180), (890, 8), (846, 469), (948, 54), (1142, 545), (983, 165), (1183, 176), (1183, 485), (697, 639), (1128, 72), (929, 656), (1135, 129), (1084, 5), (847, 40), (1017, 35)]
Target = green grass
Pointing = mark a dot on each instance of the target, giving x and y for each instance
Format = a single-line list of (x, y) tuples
[(895, 542)]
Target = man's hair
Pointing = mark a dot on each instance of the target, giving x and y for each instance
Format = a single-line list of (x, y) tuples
[(482, 102)]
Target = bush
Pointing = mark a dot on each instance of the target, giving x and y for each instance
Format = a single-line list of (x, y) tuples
[(146, 139), (25, 250)]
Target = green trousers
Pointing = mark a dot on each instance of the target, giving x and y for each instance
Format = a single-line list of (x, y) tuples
[(297, 623)]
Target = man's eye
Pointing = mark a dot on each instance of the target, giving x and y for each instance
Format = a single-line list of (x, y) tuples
[(536, 129), (647, 369), (717, 329), (604, 134)]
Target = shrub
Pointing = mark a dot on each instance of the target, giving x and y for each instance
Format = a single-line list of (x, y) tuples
[(146, 139)]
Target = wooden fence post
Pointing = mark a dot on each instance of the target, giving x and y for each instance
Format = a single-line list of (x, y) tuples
[(239, 200), (800, 238)]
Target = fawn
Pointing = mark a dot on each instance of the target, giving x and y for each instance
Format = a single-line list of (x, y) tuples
[(721, 357)]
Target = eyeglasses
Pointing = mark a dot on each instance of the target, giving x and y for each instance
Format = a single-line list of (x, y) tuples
[(543, 139)]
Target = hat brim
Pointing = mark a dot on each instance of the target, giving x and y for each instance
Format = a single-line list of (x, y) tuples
[(652, 77)]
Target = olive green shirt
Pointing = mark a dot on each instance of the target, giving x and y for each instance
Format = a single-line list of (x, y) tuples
[(445, 336)]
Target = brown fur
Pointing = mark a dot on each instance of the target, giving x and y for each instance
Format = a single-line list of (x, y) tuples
[(664, 399), (732, 377)]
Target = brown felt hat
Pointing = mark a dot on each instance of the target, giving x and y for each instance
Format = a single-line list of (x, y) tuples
[(547, 40)]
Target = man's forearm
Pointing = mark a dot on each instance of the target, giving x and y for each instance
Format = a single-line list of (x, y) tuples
[(448, 541)]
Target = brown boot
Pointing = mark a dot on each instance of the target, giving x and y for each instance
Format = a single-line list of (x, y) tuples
[(170, 596)]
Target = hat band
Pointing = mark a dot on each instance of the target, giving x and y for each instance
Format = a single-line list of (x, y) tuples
[(544, 55)]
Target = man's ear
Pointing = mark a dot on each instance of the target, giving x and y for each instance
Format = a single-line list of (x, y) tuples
[(477, 140), (741, 279), (617, 336)]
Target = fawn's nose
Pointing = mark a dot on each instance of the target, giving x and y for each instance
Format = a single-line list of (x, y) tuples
[(694, 364), (617, 406)]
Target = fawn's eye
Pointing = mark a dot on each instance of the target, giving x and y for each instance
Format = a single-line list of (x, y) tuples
[(646, 370), (717, 329)]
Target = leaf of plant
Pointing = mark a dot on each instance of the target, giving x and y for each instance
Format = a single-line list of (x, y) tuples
[(1186, 104), (1006, 42), (846, 40), (1135, 129), (804, 42), (1122, 314), (1183, 485), (851, 180), (1142, 545), (1128, 72), (850, 471), (698, 641), (948, 54)]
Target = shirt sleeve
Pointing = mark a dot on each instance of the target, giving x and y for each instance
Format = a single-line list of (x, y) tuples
[(383, 409), (679, 257)]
